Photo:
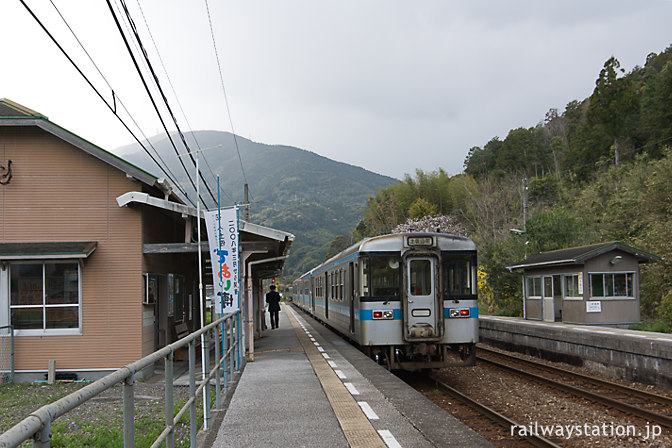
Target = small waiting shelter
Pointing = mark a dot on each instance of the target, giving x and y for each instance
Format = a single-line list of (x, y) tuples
[(594, 284)]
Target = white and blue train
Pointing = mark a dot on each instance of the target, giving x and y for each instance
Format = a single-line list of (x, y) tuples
[(408, 300)]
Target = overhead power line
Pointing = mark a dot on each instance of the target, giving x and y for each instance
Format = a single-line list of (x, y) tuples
[(112, 109), (117, 98), (179, 104), (226, 100), (149, 93)]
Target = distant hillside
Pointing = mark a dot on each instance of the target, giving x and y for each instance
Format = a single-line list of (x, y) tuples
[(291, 189)]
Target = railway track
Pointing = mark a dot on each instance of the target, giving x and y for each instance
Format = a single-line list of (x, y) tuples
[(481, 417), (651, 407)]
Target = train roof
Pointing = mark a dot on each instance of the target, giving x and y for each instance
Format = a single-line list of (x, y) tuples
[(394, 242)]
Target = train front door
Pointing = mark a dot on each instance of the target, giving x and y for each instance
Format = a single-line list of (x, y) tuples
[(421, 314)]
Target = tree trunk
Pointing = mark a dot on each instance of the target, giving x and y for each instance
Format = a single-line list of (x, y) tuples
[(617, 154)]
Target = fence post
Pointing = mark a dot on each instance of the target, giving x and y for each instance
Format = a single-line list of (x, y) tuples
[(206, 382), (41, 439), (193, 429), (218, 393), (225, 352), (129, 420), (170, 440)]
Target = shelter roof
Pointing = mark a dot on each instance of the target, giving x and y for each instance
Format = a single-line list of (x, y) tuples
[(581, 254)]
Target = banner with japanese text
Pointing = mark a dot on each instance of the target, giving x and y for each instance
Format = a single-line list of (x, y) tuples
[(223, 238)]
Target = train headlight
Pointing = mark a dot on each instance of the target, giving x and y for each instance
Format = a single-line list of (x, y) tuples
[(459, 312), (383, 314)]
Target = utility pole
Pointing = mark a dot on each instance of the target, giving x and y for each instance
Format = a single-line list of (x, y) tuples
[(247, 202), (525, 203)]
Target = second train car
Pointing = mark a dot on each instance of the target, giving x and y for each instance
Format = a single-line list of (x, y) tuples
[(408, 300)]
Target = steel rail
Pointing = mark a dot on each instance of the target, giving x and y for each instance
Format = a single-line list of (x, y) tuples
[(628, 408), (660, 399), (500, 419)]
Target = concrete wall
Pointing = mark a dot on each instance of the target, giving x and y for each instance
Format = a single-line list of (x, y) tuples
[(632, 355)]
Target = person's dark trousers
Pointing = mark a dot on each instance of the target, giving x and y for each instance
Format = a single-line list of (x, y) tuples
[(274, 318)]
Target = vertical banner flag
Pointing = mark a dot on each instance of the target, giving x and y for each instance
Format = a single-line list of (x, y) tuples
[(225, 256)]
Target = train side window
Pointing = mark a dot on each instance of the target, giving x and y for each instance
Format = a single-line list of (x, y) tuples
[(457, 276), (364, 277), (385, 276)]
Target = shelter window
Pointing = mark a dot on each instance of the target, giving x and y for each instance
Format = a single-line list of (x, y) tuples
[(45, 298), (534, 286), (381, 276), (573, 286), (612, 285)]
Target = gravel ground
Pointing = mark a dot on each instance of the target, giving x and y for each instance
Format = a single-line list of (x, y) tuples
[(529, 403)]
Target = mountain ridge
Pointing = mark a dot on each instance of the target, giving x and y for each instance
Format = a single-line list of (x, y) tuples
[(291, 189)]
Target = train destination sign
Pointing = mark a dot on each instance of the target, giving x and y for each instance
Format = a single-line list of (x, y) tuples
[(421, 241)]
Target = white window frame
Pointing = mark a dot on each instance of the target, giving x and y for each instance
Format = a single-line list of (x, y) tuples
[(605, 297), (45, 331), (580, 286), (541, 286)]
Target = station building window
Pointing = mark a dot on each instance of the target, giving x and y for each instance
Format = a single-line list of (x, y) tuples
[(45, 297), (612, 285)]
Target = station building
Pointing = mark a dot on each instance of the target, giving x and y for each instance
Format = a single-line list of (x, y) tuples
[(593, 284), (98, 258)]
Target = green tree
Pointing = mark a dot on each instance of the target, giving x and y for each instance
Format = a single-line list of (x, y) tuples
[(611, 103)]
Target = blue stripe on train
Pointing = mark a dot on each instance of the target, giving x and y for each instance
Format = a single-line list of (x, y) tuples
[(473, 312), (368, 314)]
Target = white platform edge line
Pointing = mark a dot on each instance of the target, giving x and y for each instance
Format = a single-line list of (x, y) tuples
[(388, 438)]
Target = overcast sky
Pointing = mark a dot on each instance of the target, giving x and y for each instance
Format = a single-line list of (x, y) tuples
[(390, 85)]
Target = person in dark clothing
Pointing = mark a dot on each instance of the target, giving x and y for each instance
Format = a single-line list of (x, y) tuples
[(273, 300)]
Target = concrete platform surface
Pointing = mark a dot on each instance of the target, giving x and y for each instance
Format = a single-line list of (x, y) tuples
[(280, 401)]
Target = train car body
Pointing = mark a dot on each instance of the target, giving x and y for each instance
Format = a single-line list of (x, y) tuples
[(407, 300)]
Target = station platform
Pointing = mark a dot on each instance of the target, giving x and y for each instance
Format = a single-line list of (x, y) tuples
[(309, 388), (640, 356)]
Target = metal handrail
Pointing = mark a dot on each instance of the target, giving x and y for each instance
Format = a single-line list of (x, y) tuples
[(38, 424)]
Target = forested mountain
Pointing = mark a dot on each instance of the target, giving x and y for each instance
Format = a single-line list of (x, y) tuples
[(599, 171), (627, 115), (291, 189)]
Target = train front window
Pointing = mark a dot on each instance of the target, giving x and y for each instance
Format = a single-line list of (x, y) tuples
[(458, 276), (420, 280), (381, 276)]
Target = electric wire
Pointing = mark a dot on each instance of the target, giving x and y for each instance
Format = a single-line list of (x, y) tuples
[(226, 100), (165, 99), (88, 81), (179, 103), (149, 93), (117, 98)]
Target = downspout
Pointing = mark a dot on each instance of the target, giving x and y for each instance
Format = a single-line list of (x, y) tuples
[(250, 305)]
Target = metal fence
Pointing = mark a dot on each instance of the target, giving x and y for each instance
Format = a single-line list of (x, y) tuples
[(38, 425), (6, 354)]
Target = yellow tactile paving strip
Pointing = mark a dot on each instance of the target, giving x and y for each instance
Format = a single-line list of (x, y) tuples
[(357, 428)]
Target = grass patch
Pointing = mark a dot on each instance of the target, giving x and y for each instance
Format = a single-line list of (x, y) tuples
[(659, 326)]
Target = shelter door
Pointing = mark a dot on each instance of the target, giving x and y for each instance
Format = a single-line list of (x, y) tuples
[(420, 309), (548, 305)]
